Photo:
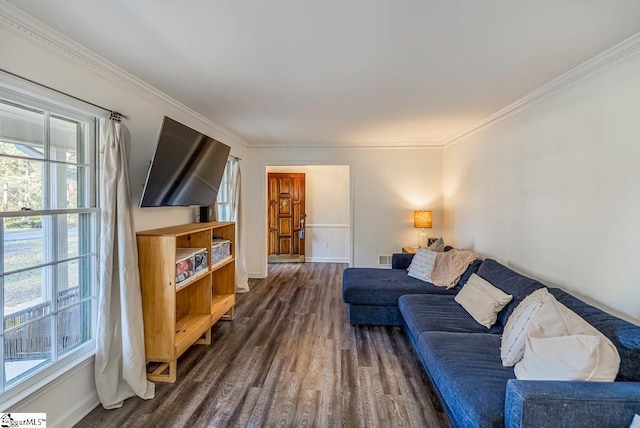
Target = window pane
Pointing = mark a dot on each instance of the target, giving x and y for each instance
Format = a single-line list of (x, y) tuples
[(68, 283), (67, 236), (87, 241), (72, 281), (21, 131), (68, 186), (224, 212), (27, 348), (75, 235), (21, 183), (26, 296), (74, 326), (68, 140), (24, 242)]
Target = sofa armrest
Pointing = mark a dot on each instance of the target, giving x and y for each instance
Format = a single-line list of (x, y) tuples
[(570, 404), (401, 260)]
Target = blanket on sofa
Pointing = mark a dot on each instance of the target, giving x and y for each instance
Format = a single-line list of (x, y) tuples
[(450, 265)]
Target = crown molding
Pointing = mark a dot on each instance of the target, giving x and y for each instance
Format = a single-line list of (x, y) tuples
[(340, 146), (25, 25), (582, 72), (30, 28)]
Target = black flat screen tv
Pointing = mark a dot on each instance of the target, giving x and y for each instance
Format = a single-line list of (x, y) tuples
[(186, 169)]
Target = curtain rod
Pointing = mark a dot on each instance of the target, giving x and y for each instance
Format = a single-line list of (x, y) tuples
[(117, 116)]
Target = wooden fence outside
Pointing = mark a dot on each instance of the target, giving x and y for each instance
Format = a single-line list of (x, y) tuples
[(33, 341)]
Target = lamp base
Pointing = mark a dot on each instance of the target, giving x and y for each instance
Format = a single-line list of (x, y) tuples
[(422, 239)]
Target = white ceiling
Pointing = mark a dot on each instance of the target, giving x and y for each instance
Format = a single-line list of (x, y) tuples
[(348, 72)]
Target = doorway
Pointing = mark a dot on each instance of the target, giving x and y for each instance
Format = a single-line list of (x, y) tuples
[(286, 217), (327, 208)]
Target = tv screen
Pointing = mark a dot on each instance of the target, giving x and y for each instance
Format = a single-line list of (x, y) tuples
[(186, 169)]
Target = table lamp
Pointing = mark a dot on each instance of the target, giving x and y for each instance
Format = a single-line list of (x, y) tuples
[(422, 219)]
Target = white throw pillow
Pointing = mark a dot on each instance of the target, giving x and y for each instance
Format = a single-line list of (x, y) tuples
[(515, 331), (422, 264), (482, 300), (560, 345), (438, 245)]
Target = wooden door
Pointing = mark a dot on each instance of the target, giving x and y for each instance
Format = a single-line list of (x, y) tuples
[(286, 214)]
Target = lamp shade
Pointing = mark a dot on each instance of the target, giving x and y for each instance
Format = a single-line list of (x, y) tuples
[(422, 219)]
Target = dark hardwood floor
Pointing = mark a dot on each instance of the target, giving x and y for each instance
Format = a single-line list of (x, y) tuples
[(290, 358)]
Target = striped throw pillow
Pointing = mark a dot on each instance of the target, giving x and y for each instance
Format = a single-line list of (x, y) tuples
[(515, 331), (422, 264)]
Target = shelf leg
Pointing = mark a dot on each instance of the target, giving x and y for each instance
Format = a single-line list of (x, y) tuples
[(230, 315), (205, 339), (159, 375)]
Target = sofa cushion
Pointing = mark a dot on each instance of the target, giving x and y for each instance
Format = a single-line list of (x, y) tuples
[(509, 281), (468, 373), (370, 286), (431, 312), (624, 335), (473, 268), (401, 260)]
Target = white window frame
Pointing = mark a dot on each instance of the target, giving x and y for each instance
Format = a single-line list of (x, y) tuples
[(20, 92)]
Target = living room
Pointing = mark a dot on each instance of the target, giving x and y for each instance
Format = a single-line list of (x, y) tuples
[(541, 176)]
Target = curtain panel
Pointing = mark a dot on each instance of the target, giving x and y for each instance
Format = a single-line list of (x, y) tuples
[(120, 369), (235, 214)]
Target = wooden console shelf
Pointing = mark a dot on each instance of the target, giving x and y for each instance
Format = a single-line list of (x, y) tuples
[(177, 316)]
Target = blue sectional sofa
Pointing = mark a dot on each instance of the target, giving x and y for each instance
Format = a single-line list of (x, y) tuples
[(462, 358)]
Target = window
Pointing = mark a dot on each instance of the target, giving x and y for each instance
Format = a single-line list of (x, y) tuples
[(223, 203), (48, 235)]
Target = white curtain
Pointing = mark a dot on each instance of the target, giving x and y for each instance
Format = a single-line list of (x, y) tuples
[(242, 281), (120, 370)]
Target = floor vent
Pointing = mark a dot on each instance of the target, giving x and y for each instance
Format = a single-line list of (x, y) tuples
[(384, 259)]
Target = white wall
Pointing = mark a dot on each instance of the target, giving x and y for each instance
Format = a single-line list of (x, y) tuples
[(386, 186), (554, 191), (46, 62), (327, 209)]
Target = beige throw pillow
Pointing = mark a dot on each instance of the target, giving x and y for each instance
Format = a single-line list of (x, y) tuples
[(515, 331), (482, 300), (437, 245), (560, 345)]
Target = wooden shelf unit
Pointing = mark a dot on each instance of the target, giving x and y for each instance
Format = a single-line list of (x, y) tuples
[(176, 317)]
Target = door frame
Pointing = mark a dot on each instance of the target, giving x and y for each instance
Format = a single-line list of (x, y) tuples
[(302, 163)]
